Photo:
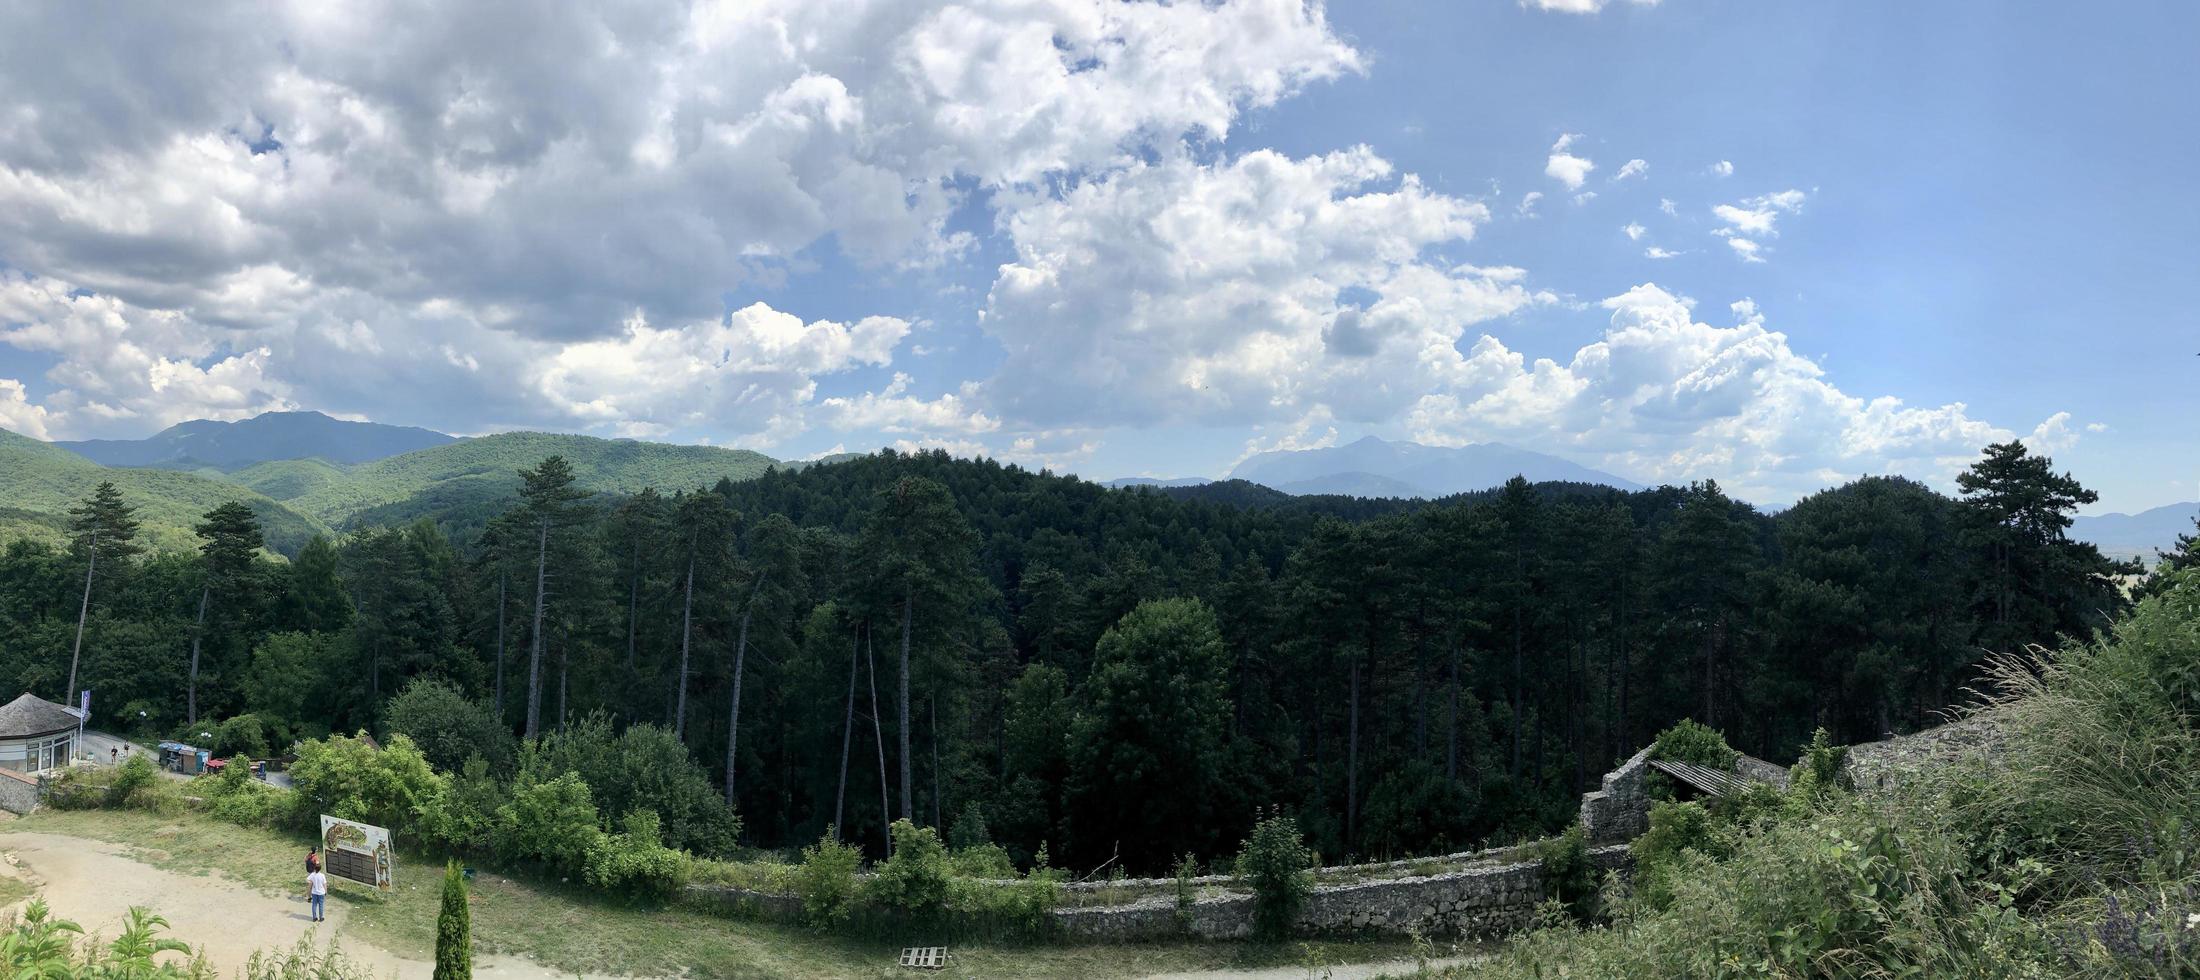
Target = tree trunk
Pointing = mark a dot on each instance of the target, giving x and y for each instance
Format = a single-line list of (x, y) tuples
[(847, 732), (191, 695), (932, 708), (633, 602), (901, 720), (740, 656), (83, 611), (534, 641), (1352, 765), (500, 653), (687, 634), (1451, 747), (878, 737), (565, 660)]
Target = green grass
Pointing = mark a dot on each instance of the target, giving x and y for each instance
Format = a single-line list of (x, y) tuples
[(40, 479), (490, 465), (13, 890), (569, 929)]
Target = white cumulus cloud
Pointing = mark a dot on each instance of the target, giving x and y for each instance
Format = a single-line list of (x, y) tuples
[(1566, 168), (1240, 292), (1663, 396)]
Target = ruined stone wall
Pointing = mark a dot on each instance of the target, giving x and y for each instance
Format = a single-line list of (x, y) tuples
[(1883, 765), (1480, 902), (1620, 811)]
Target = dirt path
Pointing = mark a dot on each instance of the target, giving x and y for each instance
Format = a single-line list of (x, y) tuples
[(95, 883)]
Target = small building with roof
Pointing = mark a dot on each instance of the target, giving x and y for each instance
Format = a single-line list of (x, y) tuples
[(36, 735)]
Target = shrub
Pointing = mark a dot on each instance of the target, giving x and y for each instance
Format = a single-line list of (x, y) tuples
[(1818, 771), (913, 882), (1186, 870), (635, 861), (1416, 810), (1274, 863), (969, 830), (827, 881), (138, 772), (989, 861), (349, 778), (243, 735), (304, 961), (1695, 743), (448, 728), (468, 818), (644, 767), (551, 823), (235, 797), (1569, 877), (1675, 829)]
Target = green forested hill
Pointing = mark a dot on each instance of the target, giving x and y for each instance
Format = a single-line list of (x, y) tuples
[(476, 472), (287, 479), (39, 482)]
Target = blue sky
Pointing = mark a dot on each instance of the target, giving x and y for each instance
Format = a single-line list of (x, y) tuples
[(1776, 243)]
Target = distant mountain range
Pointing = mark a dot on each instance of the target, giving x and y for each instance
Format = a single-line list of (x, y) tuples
[(2137, 535), (1373, 467), (1147, 481), (276, 435), (340, 478)]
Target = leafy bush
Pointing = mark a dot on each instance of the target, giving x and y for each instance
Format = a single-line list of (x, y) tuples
[(989, 861), (1695, 743), (635, 861), (131, 776), (644, 767), (1818, 771), (969, 830), (1569, 877), (232, 795), (244, 735), (1676, 829), (913, 882), (551, 823), (349, 778), (1416, 810), (468, 818), (1274, 863), (1186, 870), (304, 961), (448, 728), (827, 881)]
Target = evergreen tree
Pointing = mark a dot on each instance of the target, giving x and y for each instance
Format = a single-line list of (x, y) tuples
[(2182, 556), (100, 527), (1148, 737), (315, 600), (232, 541), (454, 931), (919, 555), (2032, 582), (550, 503)]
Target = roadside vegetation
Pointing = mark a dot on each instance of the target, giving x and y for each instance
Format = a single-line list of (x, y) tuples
[(2070, 849)]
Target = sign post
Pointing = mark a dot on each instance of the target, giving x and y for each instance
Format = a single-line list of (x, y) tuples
[(356, 852)]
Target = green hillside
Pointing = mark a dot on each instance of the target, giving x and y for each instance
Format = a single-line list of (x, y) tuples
[(287, 479), (475, 473), (39, 482)]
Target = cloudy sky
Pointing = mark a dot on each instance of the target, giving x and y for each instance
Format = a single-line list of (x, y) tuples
[(1780, 243)]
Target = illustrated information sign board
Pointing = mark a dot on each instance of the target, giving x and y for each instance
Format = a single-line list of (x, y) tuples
[(356, 851)]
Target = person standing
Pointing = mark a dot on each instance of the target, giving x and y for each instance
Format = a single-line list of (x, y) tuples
[(313, 859), (317, 893)]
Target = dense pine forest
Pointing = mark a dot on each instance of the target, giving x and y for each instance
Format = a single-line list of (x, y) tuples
[(1109, 674)]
